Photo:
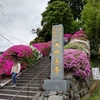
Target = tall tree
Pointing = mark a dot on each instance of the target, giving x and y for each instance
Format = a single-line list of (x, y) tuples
[(91, 23), (91, 18), (76, 6), (57, 13)]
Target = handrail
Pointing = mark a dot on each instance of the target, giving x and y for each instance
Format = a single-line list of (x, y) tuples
[(23, 71), (30, 82)]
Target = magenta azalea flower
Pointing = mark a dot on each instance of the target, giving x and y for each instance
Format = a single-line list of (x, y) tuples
[(79, 32), (76, 61), (68, 35), (79, 35), (44, 48), (24, 53)]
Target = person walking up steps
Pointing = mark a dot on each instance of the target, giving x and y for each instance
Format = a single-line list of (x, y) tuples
[(15, 70)]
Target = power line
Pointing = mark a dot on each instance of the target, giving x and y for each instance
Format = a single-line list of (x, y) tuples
[(10, 22), (5, 26), (12, 29), (14, 37), (13, 14), (7, 23), (7, 39), (4, 14)]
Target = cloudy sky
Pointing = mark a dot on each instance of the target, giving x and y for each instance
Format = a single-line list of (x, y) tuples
[(17, 19)]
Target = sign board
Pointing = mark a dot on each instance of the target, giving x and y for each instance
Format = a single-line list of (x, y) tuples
[(96, 73)]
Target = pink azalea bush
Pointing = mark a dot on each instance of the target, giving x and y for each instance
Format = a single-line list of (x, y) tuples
[(5, 66), (49, 43), (25, 54), (76, 61), (78, 46), (68, 35), (79, 35), (43, 47)]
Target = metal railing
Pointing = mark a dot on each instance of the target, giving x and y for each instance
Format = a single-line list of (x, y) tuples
[(3, 71), (27, 85)]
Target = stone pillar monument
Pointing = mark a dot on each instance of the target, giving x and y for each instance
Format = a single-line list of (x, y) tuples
[(57, 82), (57, 66)]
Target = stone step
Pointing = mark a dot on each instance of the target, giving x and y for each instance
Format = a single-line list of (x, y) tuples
[(22, 85), (31, 88), (36, 69), (11, 91), (10, 96), (29, 78), (26, 81), (35, 73), (28, 73), (7, 92)]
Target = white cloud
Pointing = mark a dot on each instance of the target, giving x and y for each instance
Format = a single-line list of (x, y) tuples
[(17, 19)]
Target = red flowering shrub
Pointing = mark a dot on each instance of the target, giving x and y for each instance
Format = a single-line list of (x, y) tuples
[(68, 35), (43, 47), (79, 35), (25, 54)]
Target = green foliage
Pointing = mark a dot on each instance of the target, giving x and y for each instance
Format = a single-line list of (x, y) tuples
[(91, 19), (73, 46), (76, 6), (36, 55), (49, 2), (37, 39), (45, 32), (94, 63), (57, 13), (94, 44), (76, 26), (96, 94), (91, 23)]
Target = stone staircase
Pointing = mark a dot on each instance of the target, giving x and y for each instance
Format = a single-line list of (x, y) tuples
[(28, 82)]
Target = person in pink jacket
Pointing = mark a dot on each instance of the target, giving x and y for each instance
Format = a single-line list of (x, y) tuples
[(15, 70)]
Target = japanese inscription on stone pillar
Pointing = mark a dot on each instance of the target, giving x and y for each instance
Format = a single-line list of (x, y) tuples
[(57, 69)]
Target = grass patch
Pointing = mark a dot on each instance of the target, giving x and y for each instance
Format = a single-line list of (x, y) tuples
[(95, 62), (96, 93)]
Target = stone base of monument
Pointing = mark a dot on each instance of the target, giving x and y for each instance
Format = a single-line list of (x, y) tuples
[(56, 85), (54, 97)]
